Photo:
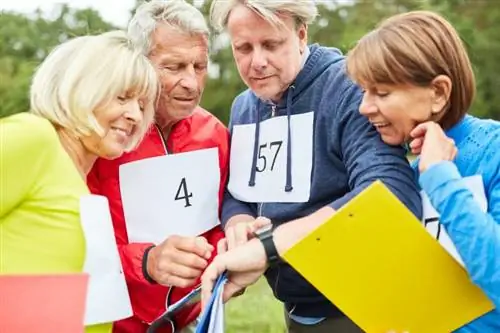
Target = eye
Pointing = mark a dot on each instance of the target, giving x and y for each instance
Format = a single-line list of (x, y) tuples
[(201, 67), (244, 48), (382, 94), (123, 98), (271, 45)]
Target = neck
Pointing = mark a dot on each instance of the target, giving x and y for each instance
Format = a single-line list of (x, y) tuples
[(165, 124), (81, 157)]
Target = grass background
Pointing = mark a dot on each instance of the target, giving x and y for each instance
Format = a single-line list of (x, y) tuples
[(256, 311)]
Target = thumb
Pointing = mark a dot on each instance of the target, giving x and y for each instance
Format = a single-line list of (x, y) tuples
[(230, 289), (260, 222)]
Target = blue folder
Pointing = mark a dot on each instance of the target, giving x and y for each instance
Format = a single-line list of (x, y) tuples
[(204, 322)]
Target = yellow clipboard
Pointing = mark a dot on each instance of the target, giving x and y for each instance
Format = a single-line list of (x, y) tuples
[(375, 261)]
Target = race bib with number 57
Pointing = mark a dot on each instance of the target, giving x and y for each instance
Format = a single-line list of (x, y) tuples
[(270, 178)]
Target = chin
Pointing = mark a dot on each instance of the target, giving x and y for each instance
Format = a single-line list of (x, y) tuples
[(392, 140)]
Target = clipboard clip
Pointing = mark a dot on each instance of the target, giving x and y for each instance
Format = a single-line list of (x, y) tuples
[(167, 318)]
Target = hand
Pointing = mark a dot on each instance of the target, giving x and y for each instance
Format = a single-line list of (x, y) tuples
[(245, 265), (432, 144), (240, 232), (179, 261)]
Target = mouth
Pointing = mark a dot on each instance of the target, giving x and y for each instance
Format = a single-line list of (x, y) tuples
[(185, 99), (122, 131), (261, 78), (379, 125)]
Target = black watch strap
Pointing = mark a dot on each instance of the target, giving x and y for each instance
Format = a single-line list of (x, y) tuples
[(266, 238)]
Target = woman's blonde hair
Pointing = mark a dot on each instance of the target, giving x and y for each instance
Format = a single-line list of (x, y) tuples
[(414, 48), (88, 72)]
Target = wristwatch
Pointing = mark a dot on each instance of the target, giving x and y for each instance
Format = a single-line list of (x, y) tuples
[(265, 235)]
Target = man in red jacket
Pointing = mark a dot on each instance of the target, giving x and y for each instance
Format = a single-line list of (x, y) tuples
[(165, 196)]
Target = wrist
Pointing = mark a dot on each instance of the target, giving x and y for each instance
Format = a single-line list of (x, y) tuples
[(148, 262), (265, 236)]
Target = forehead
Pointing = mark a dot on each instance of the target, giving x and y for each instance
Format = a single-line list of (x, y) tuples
[(170, 42), (245, 24)]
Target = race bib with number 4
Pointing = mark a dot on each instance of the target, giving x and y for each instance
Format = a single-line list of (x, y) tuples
[(270, 179), (171, 195), (431, 216)]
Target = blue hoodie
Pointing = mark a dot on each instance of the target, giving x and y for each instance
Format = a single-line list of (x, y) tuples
[(348, 155)]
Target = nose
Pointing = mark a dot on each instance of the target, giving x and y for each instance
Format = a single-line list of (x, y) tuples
[(259, 59), (189, 79), (367, 107), (134, 112)]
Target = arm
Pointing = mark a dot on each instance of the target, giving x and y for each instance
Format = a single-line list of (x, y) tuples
[(26, 146), (475, 234), (367, 158)]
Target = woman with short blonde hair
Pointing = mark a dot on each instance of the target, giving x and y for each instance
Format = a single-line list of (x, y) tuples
[(93, 96)]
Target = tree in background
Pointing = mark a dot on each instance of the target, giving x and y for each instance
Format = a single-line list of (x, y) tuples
[(24, 41)]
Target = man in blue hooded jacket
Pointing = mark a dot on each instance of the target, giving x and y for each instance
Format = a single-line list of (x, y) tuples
[(299, 147)]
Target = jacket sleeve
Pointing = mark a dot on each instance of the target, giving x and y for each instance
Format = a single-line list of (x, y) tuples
[(475, 234), (367, 158), (131, 255)]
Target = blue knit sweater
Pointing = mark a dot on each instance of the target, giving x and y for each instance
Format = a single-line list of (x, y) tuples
[(475, 234)]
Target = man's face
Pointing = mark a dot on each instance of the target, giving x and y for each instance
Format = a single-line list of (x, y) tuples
[(181, 60), (268, 58)]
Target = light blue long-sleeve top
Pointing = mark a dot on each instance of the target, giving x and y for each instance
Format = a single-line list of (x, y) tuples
[(475, 234)]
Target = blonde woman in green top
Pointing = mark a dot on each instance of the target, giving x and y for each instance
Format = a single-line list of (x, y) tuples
[(93, 96)]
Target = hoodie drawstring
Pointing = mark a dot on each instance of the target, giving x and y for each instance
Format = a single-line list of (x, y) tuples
[(253, 171), (288, 186)]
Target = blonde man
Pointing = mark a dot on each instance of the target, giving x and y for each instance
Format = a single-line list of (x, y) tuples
[(165, 195), (299, 148), (93, 96)]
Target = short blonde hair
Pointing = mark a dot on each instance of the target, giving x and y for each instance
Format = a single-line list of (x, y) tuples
[(414, 48), (303, 11), (89, 72)]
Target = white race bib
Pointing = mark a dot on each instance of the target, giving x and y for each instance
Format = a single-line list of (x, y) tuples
[(431, 216), (270, 178), (170, 195), (107, 297)]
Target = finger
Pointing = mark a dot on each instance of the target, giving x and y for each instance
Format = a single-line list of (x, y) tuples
[(184, 258), (182, 271), (230, 290), (241, 233), (222, 246), (420, 130), (202, 243), (176, 281), (208, 279), (416, 146), (230, 237), (195, 245), (260, 222)]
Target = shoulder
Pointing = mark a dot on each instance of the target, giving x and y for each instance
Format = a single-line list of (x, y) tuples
[(29, 133), (241, 108)]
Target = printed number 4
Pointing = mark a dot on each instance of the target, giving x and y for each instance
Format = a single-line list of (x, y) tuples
[(185, 193), (263, 156)]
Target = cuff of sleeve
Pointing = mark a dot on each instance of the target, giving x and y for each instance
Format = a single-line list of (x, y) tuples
[(438, 175), (229, 212), (145, 266)]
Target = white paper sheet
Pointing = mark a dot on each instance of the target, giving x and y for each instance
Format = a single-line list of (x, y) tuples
[(107, 297)]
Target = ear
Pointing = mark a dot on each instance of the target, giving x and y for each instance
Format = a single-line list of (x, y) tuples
[(302, 34), (441, 90)]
